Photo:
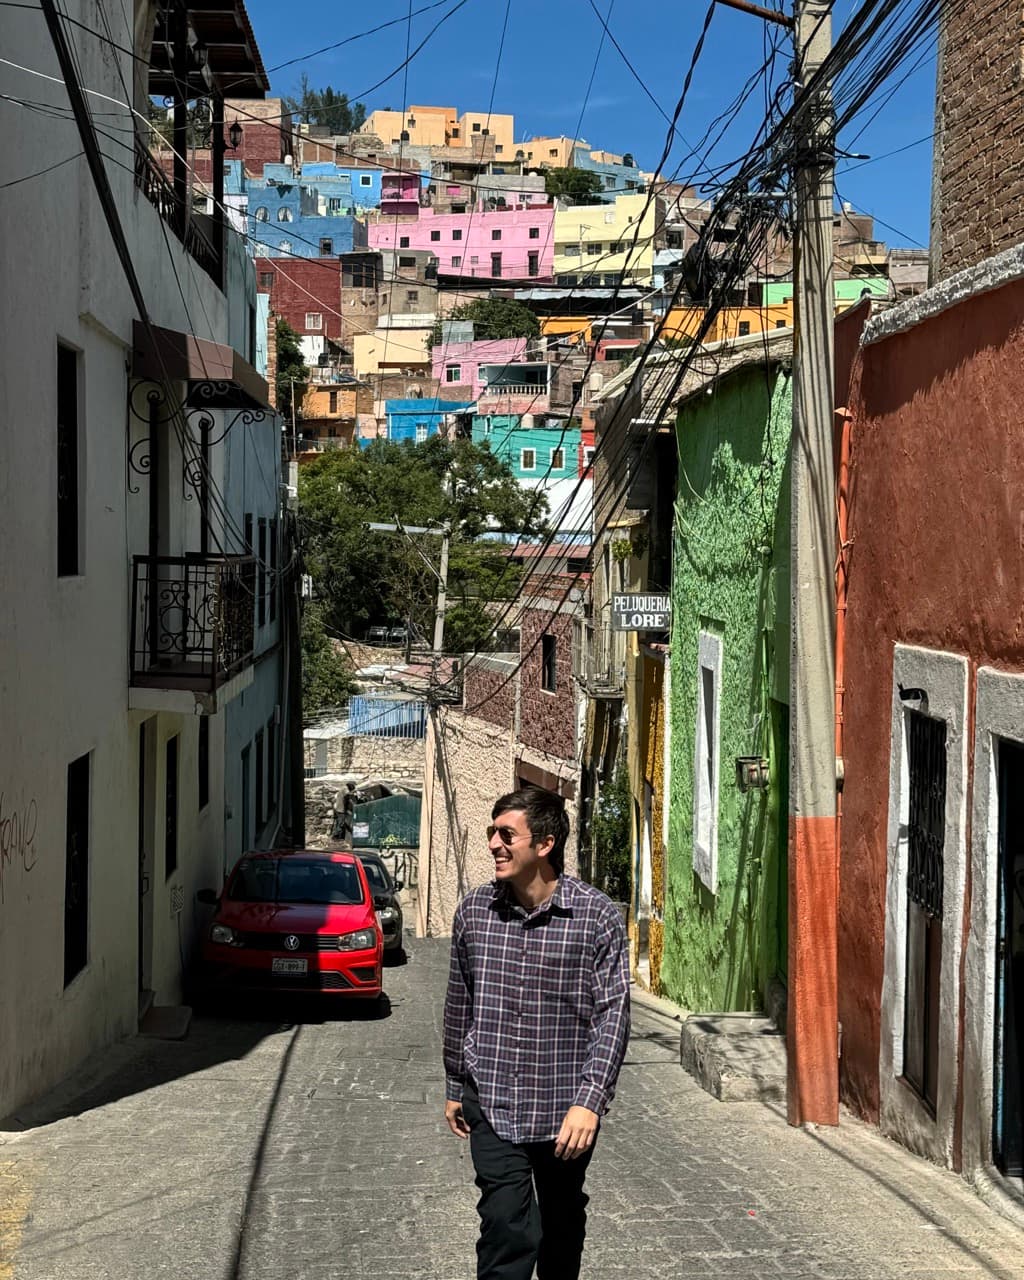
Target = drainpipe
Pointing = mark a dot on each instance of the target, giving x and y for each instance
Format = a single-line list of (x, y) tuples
[(842, 581)]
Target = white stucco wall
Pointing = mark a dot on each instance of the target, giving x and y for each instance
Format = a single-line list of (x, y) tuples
[(64, 642), (999, 713), (903, 1115)]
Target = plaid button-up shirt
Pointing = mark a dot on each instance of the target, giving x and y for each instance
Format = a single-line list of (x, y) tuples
[(537, 1011)]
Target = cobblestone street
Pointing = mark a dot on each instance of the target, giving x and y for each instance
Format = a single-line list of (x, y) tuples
[(302, 1151)]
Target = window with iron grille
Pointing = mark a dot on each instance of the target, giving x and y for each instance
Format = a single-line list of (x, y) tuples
[(203, 762), (171, 807), (271, 768), (261, 782), (549, 663), (926, 825), (68, 481), (273, 570), (76, 870), (261, 596)]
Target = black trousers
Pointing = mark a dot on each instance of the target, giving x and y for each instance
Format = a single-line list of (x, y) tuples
[(532, 1206)]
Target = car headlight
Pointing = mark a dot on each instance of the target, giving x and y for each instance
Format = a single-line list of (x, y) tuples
[(221, 933), (387, 913), (361, 940)]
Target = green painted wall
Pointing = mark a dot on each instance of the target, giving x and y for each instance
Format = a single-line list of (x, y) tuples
[(731, 576), (778, 291), (507, 438)]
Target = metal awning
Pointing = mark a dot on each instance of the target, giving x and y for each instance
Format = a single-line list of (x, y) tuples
[(217, 376), (223, 29)]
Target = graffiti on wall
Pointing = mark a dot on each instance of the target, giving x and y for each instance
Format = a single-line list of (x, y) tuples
[(17, 838)]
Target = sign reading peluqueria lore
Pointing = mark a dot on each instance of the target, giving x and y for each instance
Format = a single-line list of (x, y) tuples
[(634, 612)]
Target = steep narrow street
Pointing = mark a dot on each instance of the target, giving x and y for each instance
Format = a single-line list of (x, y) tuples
[(273, 1150)]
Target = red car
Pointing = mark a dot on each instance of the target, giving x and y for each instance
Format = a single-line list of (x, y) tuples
[(295, 920)]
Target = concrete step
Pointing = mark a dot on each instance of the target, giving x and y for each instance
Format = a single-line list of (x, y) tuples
[(166, 1022), (736, 1057)]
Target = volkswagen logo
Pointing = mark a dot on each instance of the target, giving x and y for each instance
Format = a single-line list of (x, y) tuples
[(291, 942)]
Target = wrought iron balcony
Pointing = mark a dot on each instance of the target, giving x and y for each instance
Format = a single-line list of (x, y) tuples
[(192, 620), (159, 191)]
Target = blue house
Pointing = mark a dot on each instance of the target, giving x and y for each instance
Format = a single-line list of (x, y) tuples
[(417, 420), (313, 219), (618, 179), (364, 184)]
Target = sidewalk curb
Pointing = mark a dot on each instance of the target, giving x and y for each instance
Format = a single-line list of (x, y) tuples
[(655, 1004), (988, 1183)]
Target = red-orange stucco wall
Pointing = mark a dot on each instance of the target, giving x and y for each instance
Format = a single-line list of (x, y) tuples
[(937, 559)]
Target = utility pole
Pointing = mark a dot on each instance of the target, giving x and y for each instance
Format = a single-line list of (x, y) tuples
[(813, 1021), (812, 1032), (442, 595)]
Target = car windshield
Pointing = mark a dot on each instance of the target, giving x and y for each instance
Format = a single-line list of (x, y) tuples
[(304, 880), (377, 876)]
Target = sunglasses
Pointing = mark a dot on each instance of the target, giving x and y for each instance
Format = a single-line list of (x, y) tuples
[(505, 834)]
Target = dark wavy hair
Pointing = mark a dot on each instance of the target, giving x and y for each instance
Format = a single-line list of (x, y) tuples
[(545, 816)]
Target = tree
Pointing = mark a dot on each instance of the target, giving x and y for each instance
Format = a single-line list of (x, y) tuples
[(327, 679), (291, 369), (610, 835), (362, 577), (326, 107), (493, 318), (579, 186)]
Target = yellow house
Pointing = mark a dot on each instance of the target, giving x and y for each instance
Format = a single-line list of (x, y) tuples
[(555, 152), (731, 322), (334, 404), (442, 127), (474, 126), (386, 350), (424, 126), (567, 326), (598, 243)]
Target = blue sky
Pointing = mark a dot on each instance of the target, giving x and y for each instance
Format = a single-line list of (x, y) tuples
[(546, 66)]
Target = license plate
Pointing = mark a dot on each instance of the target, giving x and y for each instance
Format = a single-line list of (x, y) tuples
[(288, 966)]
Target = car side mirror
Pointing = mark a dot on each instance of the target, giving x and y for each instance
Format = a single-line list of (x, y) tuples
[(208, 897), (380, 900), (399, 885)]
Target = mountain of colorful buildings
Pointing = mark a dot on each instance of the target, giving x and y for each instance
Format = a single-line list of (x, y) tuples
[(366, 242)]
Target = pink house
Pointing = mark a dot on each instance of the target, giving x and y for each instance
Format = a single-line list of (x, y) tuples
[(507, 244), (457, 364), (400, 192)]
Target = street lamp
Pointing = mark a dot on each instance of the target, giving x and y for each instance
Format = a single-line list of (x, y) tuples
[(234, 136)]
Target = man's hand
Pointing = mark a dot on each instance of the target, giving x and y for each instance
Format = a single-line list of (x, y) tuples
[(577, 1134), (456, 1120)]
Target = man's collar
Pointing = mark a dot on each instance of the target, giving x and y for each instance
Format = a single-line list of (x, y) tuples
[(560, 902)]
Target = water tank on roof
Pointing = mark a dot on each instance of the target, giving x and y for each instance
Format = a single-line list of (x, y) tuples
[(527, 421)]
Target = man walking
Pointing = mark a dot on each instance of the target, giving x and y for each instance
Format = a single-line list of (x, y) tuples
[(536, 1023)]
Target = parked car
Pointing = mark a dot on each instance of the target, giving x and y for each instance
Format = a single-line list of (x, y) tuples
[(385, 890), (294, 920)]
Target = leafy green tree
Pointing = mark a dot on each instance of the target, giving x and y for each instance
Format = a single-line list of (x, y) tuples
[(291, 369), (327, 679), (493, 318), (610, 833), (363, 577), (581, 186), (326, 107)]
